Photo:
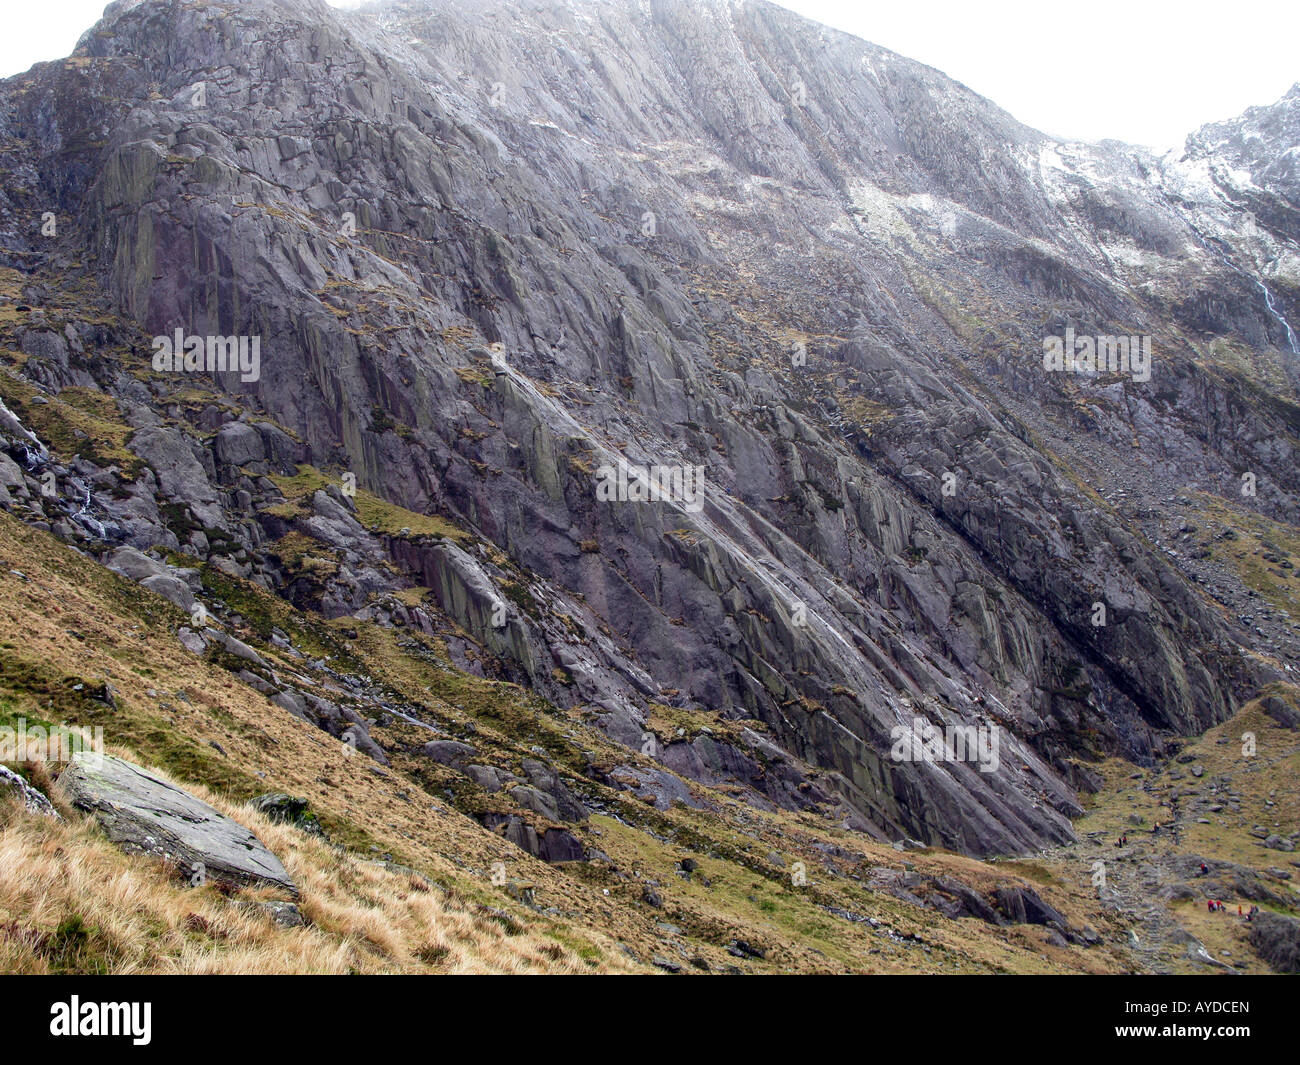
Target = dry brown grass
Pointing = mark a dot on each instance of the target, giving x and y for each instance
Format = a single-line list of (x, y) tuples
[(71, 620), (364, 917), (133, 915)]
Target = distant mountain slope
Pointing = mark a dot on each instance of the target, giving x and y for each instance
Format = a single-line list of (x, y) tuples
[(489, 251)]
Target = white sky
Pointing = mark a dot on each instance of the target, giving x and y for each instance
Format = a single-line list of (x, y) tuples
[(1138, 70)]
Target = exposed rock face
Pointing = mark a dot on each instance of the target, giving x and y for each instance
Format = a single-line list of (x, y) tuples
[(144, 815), (488, 254), (31, 798), (1262, 143), (285, 809), (551, 845), (1023, 906), (1276, 939)]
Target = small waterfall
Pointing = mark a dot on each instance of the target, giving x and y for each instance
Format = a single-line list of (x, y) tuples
[(1209, 244), (1278, 315)]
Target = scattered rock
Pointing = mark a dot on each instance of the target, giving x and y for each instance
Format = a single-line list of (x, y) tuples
[(738, 948), (286, 810)]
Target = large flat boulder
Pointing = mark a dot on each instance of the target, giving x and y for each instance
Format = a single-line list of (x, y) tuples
[(135, 564), (145, 815)]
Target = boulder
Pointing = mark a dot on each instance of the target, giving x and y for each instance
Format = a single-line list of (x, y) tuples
[(966, 901), (283, 914), (653, 786), (343, 723), (281, 449), (135, 564), (551, 845), (293, 702), (143, 814), (1021, 905), (181, 476), (11, 474), (357, 736), (238, 444), (448, 752), (1280, 710), (191, 640), (286, 810), (489, 777), (1276, 939), (544, 778), (173, 589), (238, 648), (535, 799)]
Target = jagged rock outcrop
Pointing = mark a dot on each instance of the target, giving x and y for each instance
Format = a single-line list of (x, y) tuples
[(1276, 938), (33, 800)]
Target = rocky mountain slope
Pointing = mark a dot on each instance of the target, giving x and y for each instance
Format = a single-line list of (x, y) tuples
[(489, 252)]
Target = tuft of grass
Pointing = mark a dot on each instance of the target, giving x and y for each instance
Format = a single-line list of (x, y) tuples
[(376, 514)]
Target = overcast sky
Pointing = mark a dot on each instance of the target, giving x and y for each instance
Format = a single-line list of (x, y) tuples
[(1138, 70)]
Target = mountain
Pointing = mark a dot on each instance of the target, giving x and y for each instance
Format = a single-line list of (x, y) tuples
[(487, 253)]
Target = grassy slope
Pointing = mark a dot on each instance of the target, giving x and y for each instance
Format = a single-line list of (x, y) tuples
[(72, 621)]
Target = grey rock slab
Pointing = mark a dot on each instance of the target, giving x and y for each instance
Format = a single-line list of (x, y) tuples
[(145, 815), (171, 588), (135, 564)]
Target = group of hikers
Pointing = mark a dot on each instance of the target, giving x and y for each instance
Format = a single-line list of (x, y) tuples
[(1216, 906)]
